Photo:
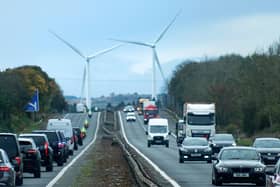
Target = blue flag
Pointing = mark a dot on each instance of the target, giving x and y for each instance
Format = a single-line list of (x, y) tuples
[(33, 105)]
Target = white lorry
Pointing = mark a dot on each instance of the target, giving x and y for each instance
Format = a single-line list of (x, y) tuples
[(200, 120), (158, 132)]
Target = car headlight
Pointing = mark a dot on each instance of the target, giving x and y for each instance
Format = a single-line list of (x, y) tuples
[(278, 154), (222, 169), (214, 144), (207, 149), (233, 144), (259, 169)]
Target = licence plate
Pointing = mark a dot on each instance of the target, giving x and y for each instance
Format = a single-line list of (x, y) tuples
[(195, 155), (240, 174), (271, 158)]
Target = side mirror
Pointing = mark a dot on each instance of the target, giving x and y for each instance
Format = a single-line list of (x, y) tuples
[(146, 132), (169, 133)]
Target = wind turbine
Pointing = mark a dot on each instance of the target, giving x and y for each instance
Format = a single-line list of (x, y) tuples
[(87, 66), (155, 56)]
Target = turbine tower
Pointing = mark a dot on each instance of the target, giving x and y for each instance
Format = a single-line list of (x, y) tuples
[(86, 76), (155, 60)]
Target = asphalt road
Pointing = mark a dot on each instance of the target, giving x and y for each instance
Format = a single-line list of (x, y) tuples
[(77, 121), (189, 174)]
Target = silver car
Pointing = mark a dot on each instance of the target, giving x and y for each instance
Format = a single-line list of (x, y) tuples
[(7, 172)]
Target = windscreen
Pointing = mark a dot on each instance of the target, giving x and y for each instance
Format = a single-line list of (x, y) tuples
[(223, 137), (52, 137), (195, 142), (267, 144), (25, 145), (9, 144), (158, 129), (39, 140), (194, 119), (239, 154)]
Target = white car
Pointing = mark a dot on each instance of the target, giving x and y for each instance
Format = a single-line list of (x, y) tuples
[(130, 116)]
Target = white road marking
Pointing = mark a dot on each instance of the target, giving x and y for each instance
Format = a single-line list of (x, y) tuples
[(62, 172), (161, 172)]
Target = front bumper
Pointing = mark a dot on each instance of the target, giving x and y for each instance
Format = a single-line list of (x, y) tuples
[(253, 178), (198, 156)]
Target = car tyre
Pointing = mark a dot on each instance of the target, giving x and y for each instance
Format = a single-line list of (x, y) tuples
[(60, 162), (149, 144), (209, 161), (19, 181), (261, 183), (37, 174), (181, 159), (71, 152), (49, 167), (167, 144)]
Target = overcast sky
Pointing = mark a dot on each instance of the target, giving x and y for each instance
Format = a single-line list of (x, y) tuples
[(204, 28)]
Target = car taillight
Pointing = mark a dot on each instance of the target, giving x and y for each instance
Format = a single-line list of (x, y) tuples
[(72, 139), (46, 146), (18, 159), (4, 168), (32, 151), (60, 145)]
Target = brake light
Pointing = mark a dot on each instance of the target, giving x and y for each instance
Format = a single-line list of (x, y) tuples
[(18, 159), (32, 151), (46, 146), (72, 139), (60, 145), (4, 168)]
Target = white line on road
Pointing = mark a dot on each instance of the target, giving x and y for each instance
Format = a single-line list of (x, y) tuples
[(62, 172), (161, 172)]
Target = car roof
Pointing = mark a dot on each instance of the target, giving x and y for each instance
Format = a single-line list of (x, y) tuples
[(31, 134), (44, 131), (12, 134), (26, 139), (196, 138), (158, 121), (223, 134), (266, 138), (239, 147)]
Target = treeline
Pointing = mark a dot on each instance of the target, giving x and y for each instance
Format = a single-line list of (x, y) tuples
[(246, 90), (17, 86)]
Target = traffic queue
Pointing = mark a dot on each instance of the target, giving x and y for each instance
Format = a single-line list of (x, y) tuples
[(28, 152)]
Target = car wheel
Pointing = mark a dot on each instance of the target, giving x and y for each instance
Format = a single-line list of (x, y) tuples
[(260, 183), (181, 159), (60, 162), (167, 144), (209, 161), (37, 174), (71, 152), (149, 144), (49, 167), (19, 180)]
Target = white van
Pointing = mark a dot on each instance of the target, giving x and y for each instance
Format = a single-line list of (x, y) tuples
[(158, 132), (65, 126)]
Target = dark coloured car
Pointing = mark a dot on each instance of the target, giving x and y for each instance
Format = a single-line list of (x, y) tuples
[(273, 176), (7, 172), (66, 146), (238, 165), (9, 143), (31, 156), (269, 148), (46, 151), (78, 133), (219, 141), (56, 144), (195, 149)]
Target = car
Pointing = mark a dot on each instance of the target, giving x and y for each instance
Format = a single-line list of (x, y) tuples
[(130, 116), (75, 140), (78, 133), (158, 132), (56, 143), (7, 172), (9, 143), (31, 156), (65, 126), (128, 108), (238, 165), (42, 143), (195, 149), (269, 148), (273, 176), (66, 152), (218, 141)]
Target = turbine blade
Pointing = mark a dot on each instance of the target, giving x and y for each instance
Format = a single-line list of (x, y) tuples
[(83, 83), (159, 67), (68, 44), (167, 27), (133, 42), (103, 51)]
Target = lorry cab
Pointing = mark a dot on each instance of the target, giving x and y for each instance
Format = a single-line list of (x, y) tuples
[(158, 132), (200, 120), (65, 126)]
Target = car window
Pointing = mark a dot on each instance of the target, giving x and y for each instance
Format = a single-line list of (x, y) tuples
[(223, 137), (267, 144), (25, 145), (39, 140), (52, 137), (239, 154), (158, 129), (9, 144)]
